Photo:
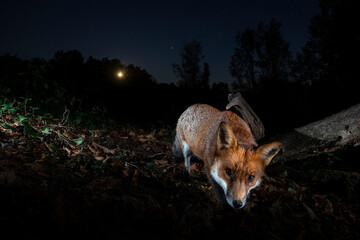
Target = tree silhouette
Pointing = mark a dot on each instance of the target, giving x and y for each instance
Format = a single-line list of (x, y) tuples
[(12, 70), (242, 65), (138, 78), (205, 76), (67, 68), (274, 57), (261, 57), (334, 44), (328, 63), (189, 72)]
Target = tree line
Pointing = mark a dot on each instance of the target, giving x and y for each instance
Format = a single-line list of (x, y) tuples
[(295, 88), (285, 89), (93, 86)]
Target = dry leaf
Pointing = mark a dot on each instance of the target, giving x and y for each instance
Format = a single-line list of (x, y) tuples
[(105, 149), (161, 162), (67, 150), (135, 177), (310, 212), (329, 209)]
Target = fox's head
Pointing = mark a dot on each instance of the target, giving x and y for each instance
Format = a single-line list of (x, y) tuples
[(238, 169)]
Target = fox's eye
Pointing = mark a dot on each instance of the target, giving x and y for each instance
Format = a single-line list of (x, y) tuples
[(229, 172), (250, 178)]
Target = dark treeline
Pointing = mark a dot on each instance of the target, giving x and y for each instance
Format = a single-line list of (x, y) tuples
[(285, 89), (289, 90), (92, 89)]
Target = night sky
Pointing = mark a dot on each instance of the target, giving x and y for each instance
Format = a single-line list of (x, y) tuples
[(146, 33)]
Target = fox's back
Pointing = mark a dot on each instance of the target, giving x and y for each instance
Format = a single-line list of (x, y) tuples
[(195, 120), (199, 124)]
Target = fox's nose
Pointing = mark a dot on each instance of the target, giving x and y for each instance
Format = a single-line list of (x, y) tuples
[(237, 203)]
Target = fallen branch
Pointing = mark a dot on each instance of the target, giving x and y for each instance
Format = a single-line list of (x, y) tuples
[(65, 117), (243, 109), (326, 135)]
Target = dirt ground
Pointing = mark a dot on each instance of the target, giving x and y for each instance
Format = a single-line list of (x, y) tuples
[(122, 183)]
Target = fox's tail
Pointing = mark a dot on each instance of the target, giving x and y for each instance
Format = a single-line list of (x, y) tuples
[(176, 151)]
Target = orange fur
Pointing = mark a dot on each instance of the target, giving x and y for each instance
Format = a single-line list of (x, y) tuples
[(233, 162)]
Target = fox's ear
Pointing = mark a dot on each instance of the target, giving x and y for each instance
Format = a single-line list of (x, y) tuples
[(268, 151), (226, 138)]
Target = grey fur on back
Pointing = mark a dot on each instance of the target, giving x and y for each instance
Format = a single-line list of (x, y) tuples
[(199, 117)]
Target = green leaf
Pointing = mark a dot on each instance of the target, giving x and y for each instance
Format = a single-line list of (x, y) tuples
[(79, 140), (120, 157), (284, 174), (29, 130), (22, 118), (46, 130), (149, 165), (53, 146), (12, 110)]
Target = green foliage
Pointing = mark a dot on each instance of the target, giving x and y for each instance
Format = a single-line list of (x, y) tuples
[(22, 118), (29, 130), (86, 88), (8, 108), (14, 115)]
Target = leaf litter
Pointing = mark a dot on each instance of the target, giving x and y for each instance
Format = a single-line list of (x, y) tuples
[(118, 182)]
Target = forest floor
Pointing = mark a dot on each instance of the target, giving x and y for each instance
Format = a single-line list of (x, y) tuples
[(120, 182)]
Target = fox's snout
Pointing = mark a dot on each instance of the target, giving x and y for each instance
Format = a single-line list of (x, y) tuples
[(237, 204), (233, 192)]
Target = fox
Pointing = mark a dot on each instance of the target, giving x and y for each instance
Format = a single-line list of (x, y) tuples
[(233, 161)]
